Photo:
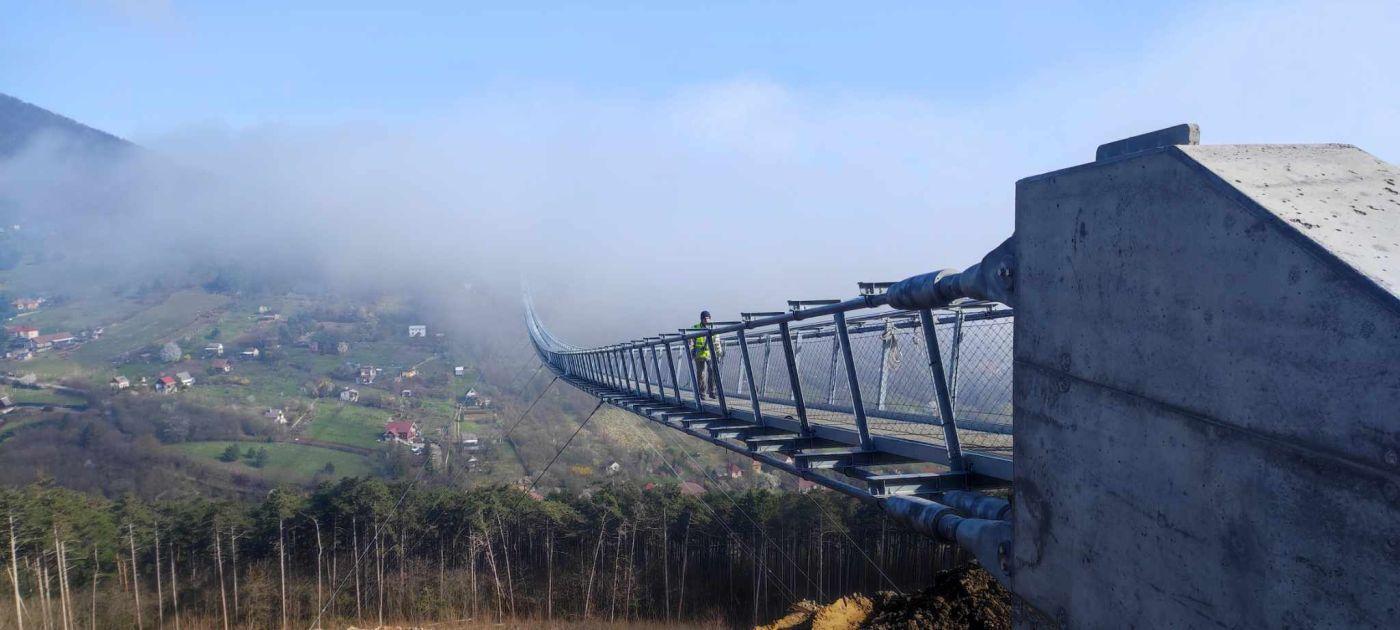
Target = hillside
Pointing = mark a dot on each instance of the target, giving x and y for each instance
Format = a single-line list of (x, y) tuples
[(22, 123)]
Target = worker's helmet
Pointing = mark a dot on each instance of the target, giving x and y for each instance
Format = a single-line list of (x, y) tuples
[(704, 314)]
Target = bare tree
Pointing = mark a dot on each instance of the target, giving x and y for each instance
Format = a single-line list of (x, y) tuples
[(14, 575), (135, 583), (219, 560)]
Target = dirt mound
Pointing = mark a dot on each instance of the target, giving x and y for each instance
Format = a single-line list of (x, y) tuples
[(961, 598), (967, 597)]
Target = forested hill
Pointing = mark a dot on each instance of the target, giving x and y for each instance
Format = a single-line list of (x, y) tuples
[(21, 123)]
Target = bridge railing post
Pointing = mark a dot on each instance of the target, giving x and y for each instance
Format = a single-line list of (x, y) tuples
[(656, 369), (633, 378), (712, 366), (646, 373), (748, 371), (887, 348), (618, 374), (941, 391), (690, 367), (955, 350), (790, 355), (671, 369), (831, 373), (857, 406), (767, 355)]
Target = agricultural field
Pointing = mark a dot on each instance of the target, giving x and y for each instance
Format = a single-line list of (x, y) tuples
[(343, 423), (28, 396), (286, 462)]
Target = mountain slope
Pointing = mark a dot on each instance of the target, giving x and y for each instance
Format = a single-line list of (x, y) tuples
[(21, 123)]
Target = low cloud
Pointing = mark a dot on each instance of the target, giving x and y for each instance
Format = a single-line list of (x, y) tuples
[(627, 214)]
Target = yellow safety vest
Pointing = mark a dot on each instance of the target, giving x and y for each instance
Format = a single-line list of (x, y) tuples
[(701, 344)]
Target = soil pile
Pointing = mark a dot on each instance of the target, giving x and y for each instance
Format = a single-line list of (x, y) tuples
[(966, 597)]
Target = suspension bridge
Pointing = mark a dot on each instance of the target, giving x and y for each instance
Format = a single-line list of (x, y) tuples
[(1184, 367)]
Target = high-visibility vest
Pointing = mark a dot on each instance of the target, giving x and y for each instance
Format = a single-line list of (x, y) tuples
[(701, 344)]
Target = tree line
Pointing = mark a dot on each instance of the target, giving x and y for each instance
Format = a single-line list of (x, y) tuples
[(368, 551)]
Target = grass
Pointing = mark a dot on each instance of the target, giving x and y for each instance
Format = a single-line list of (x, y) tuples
[(286, 462), (344, 423), (174, 318), (39, 396)]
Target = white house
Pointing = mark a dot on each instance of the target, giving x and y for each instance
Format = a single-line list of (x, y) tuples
[(119, 383), (460, 370), (418, 331), (185, 379), (350, 395), (276, 415), (251, 353), (214, 350)]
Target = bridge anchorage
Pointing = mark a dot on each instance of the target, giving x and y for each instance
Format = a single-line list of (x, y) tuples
[(1174, 431)]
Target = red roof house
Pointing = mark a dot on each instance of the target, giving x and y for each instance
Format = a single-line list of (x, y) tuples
[(400, 430)]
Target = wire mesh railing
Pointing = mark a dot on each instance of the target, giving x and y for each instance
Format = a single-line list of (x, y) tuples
[(878, 383)]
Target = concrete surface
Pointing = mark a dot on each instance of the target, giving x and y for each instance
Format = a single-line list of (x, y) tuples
[(1207, 390)]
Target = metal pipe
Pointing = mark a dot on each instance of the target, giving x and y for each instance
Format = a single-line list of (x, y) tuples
[(992, 279)]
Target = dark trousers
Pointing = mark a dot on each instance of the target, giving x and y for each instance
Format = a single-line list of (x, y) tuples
[(702, 375)]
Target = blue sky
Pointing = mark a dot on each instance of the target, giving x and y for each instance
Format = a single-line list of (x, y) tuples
[(749, 152), (136, 67)]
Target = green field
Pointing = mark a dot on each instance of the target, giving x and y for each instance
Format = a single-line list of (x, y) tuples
[(175, 317), (349, 424), (286, 462), (39, 396)]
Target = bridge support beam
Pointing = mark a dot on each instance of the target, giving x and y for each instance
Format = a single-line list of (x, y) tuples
[(1207, 381)]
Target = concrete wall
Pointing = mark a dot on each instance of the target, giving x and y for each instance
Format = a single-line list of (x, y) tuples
[(1207, 390)]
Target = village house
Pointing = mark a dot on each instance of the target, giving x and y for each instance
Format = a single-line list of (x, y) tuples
[(470, 442), (342, 347), (25, 332), (731, 470), (220, 366), (350, 395), (28, 380), (407, 393), (692, 489), (417, 331), (119, 383), (20, 354), (613, 469), (214, 350), (250, 353), (367, 374), (409, 373), (27, 304), (460, 370), (269, 317), (276, 415), (56, 340), (6, 403), (185, 379), (805, 486), (167, 385), (400, 431)]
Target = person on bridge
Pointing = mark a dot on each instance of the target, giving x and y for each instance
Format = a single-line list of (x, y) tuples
[(700, 350)]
